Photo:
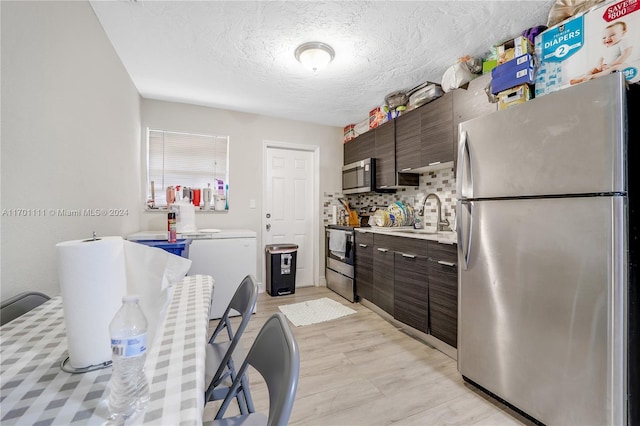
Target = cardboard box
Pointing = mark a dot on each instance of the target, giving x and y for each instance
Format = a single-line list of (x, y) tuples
[(561, 54), (613, 40), (513, 48), (349, 132), (376, 118), (488, 66), (514, 96), (518, 71)]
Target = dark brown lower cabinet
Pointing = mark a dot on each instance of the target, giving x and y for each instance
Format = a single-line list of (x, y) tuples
[(383, 277), (443, 301), (364, 265), (413, 280), (411, 298)]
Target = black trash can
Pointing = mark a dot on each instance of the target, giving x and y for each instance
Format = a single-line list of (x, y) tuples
[(281, 268)]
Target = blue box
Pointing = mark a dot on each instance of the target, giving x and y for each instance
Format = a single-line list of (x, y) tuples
[(520, 70), (521, 62), (179, 248)]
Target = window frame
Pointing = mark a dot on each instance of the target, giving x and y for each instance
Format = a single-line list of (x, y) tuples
[(151, 204)]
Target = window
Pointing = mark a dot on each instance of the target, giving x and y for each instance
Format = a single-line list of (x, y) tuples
[(185, 159)]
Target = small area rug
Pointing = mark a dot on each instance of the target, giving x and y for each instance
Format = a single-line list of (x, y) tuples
[(315, 311)]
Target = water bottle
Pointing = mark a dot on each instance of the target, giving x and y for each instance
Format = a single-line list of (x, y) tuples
[(129, 386)]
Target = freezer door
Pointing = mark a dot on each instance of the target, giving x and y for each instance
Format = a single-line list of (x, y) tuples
[(567, 142), (541, 300)]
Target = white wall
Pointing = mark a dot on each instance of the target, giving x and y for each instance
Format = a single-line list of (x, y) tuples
[(70, 137), (247, 133)]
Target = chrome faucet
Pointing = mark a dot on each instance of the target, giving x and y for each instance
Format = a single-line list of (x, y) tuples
[(441, 224)]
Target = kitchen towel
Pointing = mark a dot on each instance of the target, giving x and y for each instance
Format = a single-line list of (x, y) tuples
[(93, 280), (95, 274), (338, 242)]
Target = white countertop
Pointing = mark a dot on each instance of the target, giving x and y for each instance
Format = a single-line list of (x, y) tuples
[(445, 237), (202, 234)]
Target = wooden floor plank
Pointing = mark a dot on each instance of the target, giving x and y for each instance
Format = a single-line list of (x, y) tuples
[(362, 370)]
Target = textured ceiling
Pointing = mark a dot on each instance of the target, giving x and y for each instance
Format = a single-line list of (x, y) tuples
[(239, 55)]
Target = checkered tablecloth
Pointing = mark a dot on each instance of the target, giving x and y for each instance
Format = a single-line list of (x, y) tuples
[(34, 390)]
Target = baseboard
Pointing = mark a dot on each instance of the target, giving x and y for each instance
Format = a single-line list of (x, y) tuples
[(428, 339)]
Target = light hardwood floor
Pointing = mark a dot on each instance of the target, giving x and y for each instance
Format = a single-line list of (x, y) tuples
[(362, 370)]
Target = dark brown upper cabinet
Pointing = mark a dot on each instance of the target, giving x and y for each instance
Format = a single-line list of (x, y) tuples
[(436, 131), (360, 148), (385, 155), (408, 143)]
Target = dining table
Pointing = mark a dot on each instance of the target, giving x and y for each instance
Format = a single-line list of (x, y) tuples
[(34, 390)]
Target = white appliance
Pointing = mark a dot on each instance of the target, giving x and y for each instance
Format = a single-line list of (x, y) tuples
[(228, 257), (546, 247)]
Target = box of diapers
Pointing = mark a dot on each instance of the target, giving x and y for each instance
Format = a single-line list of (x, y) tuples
[(613, 40), (562, 55)]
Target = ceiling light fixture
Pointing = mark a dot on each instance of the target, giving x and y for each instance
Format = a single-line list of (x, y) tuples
[(315, 55)]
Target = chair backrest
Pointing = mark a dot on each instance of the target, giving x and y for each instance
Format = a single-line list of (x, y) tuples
[(244, 301), (20, 304), (275, 355)]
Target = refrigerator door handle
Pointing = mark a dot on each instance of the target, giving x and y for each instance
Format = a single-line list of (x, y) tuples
[(465, 177), (465, 230)]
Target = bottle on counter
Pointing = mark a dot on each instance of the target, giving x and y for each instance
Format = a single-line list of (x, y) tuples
[(129, 386), (171, 227)]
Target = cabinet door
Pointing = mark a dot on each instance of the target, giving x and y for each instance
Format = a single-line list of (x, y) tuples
[(350, 151), (385, 155), (443, 293), (436, 130), (383, 274), (410, 289), (366, 145), (443, 303), (408, 150), (364, 265)]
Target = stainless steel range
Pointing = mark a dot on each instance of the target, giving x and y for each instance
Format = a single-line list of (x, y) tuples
[(339, 250)]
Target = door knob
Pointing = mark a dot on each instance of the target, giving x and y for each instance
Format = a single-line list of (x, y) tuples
[(268, 226)]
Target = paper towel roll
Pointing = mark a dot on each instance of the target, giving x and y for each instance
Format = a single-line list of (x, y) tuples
[(92, 280)]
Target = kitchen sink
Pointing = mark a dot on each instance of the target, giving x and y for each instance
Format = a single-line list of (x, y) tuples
[(409, 230), (418, 231)]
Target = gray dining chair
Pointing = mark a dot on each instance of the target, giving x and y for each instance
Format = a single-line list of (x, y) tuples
[(219, 361), (20, 304), (275, 355)]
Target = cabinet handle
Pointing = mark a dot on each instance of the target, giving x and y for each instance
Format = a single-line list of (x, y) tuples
[(434, 163), (410, 256), (362, 245), (442, 262), (406, 170), (384, 250)]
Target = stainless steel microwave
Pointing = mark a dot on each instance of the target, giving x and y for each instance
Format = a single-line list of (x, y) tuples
[(359, 176)]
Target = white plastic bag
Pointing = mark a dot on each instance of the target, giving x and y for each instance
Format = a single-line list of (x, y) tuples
[(456, 76)]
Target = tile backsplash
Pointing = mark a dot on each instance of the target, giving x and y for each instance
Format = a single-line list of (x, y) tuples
[(441, 182)]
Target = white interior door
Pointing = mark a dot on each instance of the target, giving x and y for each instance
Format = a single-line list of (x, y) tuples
[(289, 206)]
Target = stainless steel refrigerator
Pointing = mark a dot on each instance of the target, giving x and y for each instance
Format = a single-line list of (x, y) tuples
[(543, 252)]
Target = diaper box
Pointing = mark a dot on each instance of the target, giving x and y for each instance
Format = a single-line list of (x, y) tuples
[(513, 73), (613, 40), (605, 39), (562, 55)]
